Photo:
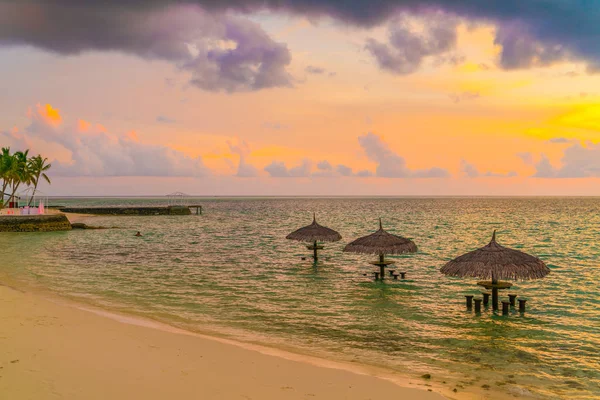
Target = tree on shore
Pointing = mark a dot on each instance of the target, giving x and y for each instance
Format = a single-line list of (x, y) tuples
[(37, 168), (18, 169)]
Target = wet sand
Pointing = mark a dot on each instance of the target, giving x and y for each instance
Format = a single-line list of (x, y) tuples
[(54, 350)]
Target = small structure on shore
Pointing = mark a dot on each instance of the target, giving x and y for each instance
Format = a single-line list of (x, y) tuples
[(496, 262), (315, 233), (381, 243)]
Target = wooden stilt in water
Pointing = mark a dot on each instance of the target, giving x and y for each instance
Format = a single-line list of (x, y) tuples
[(477, 305), (315, 256), (486, 298), (522, 305), (512, 298), (469, 301), (381, 266), (402, 275), (505, 305)]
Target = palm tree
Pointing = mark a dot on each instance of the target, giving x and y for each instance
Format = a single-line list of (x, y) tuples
[(19, 173), (5, 165), (37, 169)]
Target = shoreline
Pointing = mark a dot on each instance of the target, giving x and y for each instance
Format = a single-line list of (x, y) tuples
[(67, 349)]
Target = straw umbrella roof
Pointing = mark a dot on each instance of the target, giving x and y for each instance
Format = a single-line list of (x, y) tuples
[(496, 262), (381, 242), (315, 232)]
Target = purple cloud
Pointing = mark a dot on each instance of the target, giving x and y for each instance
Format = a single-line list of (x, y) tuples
[(186, 36), (407, 49), (529, 34)]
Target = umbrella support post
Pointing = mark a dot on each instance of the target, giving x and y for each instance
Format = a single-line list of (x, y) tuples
[(505, 305), (469, 298), (477, 305), (495, 299), (315, 255)]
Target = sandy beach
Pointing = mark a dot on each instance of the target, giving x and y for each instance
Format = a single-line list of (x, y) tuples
[(54, 350)]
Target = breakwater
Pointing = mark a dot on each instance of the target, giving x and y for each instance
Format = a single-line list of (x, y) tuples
[(34, 223), (143, 211)]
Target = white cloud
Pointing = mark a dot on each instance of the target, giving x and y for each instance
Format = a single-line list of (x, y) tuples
[(470, 171), (97, 152), (244, 170), (577, 162), (392, 165)]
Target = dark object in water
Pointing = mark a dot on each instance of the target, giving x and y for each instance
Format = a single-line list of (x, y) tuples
[(512, 298), (402, 275), (522, 305), (486, 298), (505, 305), (477, 305), (79, 225), (138, 233), (469, 298)]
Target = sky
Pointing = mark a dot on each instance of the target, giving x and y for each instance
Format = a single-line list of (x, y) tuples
[(300, 97)]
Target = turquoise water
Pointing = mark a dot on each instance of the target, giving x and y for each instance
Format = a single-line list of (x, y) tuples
[(231, 271)]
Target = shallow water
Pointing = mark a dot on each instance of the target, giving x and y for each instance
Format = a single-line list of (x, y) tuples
[(232, 271)]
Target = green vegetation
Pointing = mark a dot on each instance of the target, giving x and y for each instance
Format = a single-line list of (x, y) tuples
[(17, 169)]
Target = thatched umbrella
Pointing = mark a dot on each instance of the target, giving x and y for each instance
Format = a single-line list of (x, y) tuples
[(496, 262), (381, 243), (314, 233)]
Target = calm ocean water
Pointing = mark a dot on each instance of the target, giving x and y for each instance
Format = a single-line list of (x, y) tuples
[(232, 271)]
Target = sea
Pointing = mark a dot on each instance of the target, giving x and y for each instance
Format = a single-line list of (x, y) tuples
[(232, 273)]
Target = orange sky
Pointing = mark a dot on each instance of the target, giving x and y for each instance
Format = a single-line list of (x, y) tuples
[(441, 116)]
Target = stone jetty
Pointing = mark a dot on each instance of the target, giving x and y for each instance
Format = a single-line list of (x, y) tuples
[(34, 223)]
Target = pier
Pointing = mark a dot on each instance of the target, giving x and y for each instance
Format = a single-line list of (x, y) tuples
[(143, 211)]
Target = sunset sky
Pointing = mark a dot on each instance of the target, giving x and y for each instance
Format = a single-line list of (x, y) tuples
[(305, 97)]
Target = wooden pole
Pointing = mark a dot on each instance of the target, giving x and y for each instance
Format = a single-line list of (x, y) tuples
[(477, 305), (381, 266), (522, 305), (315, 256), (494, 293), (469, 301), (486, 298)]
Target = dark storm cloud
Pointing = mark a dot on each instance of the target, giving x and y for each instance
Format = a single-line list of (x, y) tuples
[(531, 32), (221, 52)]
